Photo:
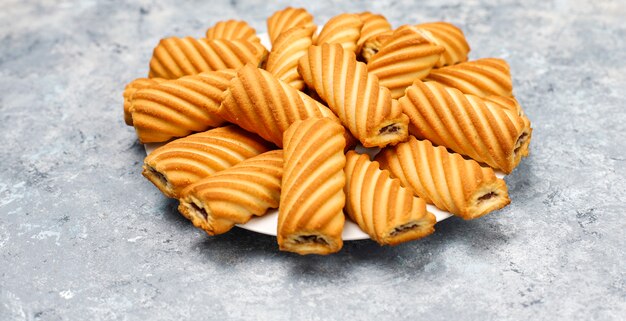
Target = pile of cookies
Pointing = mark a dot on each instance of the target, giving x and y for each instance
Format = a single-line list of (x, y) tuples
[(249, 130)]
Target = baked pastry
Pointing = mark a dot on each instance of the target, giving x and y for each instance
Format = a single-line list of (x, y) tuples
[(232, 30), (343, 29), (286, 19), (450, 37), (260, 103), (509, 103), (232, 196), (177, 57), (407, 55), (179, 163), (373, 25), (466, 124), (482, 77), (177, 108), (282, 62), (372, 45), (356, 97), (447, 180), (389, 213), (310, 218), (130, 90)]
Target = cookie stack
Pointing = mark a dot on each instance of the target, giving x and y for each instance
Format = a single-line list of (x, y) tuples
[(246, 130)]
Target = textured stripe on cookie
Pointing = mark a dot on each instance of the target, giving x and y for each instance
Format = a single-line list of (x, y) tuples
[(282, 61), (373, 25), (286, 19), (389, 213), (130, 90), (310, 218), (482, 77), (356, 97), (260, 103), (232, 30), (447, 180), (407, 55), (177, 108), (179, 163), (177, 57), (466, 124), (234, 195), (372, 45), (450, 37)]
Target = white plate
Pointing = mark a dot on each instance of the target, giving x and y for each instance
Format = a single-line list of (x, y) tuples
[(267, 224)]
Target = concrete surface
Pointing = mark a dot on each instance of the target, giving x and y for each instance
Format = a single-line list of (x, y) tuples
[(84, 237)]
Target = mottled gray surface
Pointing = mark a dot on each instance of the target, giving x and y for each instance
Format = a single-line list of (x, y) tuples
[(84, 236)]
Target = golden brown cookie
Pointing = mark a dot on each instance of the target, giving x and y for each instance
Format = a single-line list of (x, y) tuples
[(130, 90), (372, 45), (286, 19), (234, 195), (482, 77), (509, 103), (177, 57), (282, 61), (466, 124), (343, 29), (232, 30), (181, 162), (389, 213), (177, 108), (407, 55), (450, 37), (447, 180), (310, 218), (260, 103), (373, 25), (356, 97)]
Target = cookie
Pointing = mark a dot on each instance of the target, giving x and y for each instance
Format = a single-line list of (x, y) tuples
[(343, 29), (447, 180), (373, 25), (234, 195), (181, 162), (177, 57), (286, 19), (232, 30), (282, 61), (451, 38), (407, 55), (131, 89), (355, 96), (177, 108), (466, 124), (482, 77), (389, 213), (310, 218)]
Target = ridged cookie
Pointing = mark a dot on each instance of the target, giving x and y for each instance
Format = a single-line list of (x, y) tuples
[(177, 108), (447, 180), (372, 45), (407, 55), (179, 163), (343, 29), (373, 25), (234, 195), (356, 97), (177, 57), (450, 37), (310, 218), (232, 30), (282, 61), (389, 213), (482, 77), (286, 19), (466, 124), (509, 103), (130, 90), (260, 103)]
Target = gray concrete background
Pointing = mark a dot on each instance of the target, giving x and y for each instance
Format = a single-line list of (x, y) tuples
[(84, 236)]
